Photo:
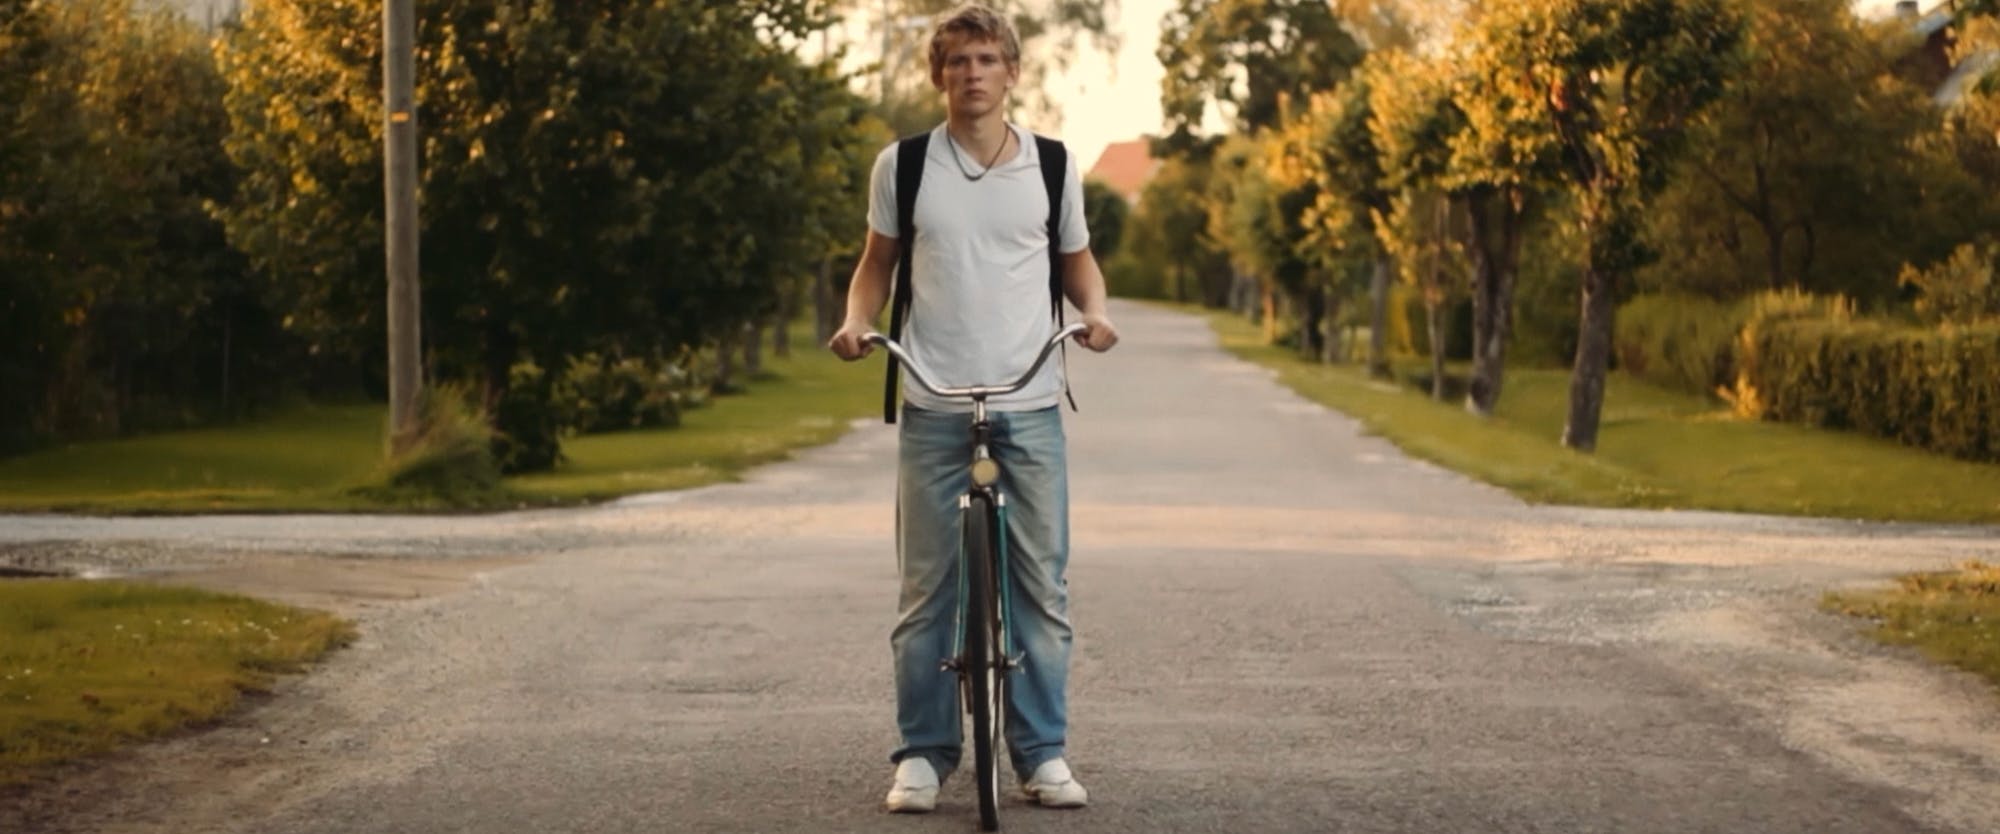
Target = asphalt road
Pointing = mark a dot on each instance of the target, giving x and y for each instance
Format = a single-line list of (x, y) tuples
[(1283, 626)]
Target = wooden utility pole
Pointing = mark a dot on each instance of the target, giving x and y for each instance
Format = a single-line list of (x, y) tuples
[(399, 168)]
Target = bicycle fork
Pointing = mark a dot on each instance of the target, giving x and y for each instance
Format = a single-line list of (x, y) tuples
[(1006, 659)]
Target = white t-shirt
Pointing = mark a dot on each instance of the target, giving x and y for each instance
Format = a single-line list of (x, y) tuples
[(979, 309)]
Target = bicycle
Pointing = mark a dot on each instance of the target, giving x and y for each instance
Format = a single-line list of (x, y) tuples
[(981, 653)]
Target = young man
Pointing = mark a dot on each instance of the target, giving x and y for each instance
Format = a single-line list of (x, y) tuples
[(980, 310)]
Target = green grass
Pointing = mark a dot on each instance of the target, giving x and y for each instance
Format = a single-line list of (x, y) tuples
[(87, 666), (804, 401), (300, 460), (1656, 448), (1951, 616), (311, 459)]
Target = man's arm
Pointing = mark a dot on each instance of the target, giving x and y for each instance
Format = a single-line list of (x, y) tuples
[(1083, 284), (866, 295)]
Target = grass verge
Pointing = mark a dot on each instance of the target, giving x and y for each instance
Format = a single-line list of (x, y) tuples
[(311, 459), (1951, 616), (805, 400), (86, 666), (1657, 449)]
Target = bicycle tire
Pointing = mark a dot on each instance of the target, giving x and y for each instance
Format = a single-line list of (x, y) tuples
[(984, 685)]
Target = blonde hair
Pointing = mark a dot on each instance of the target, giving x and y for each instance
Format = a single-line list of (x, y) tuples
[(974, 22)]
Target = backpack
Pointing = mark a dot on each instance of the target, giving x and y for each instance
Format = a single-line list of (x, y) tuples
[(910, 153)]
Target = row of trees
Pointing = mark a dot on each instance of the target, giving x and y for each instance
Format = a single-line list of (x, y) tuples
[(191, 221), (190, 225), (620, 179), (1714, 147), (118, 296)]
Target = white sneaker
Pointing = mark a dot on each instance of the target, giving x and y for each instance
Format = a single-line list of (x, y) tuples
[(916, 788), (1054, 787)]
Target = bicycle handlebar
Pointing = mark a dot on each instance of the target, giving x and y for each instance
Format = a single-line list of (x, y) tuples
[(972, 392)]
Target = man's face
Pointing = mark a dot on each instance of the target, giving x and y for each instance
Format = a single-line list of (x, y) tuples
[(975, 76)]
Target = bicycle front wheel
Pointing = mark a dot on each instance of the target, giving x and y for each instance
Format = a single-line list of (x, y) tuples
[(984, 684)]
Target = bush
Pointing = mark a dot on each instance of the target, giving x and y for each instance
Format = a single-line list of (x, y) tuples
[(451, 458), (1961, 290), (1679, 341), (528, 422), (1125, 276), (1760, 314), (611, 395), (1937, 389)]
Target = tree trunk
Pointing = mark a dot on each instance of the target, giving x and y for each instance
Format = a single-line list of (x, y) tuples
[(1774, 252), (1241, 293), (498, 362), (828, 307), (1593, 360), (228, 336), (1270, 315), (1434, 322), (753, 349), (1330, 341), (1311, 313), (1495, 223), (1221, 289), (788, 309), (725, 366), (1378, 337)]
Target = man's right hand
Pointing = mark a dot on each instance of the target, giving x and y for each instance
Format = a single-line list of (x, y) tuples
[(848, 344)]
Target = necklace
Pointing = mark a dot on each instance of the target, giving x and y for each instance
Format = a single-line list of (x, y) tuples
[(969, 176)]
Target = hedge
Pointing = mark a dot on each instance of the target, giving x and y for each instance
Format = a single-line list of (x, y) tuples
[(1807, 359), (1681, 342), (1693, 344), (1937, 389)]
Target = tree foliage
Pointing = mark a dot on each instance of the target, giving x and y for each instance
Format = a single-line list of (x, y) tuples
[(1106, 213), (118, 291), (630, 177), (1168, 234), (1812, 158), (1248, 57)]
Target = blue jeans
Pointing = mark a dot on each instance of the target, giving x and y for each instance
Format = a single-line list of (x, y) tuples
[(935, 449)]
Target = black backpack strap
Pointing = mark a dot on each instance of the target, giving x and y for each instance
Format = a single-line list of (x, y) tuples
[(1055, 164), (910, 154)]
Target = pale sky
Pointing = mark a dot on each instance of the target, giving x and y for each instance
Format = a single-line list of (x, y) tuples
[(1101, 103)]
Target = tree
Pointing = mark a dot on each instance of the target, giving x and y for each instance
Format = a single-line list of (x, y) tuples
[(1352, 200), (1429, 142), (1106, 212), (1970, 135), (1809, 150), (113, 271), (39, 126), (1422, 229), (563, 214), (1247, 57), (1607, 88), (1256, 203), (1169, 234)]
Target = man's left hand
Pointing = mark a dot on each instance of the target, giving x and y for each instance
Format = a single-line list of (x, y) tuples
[(1099, 334)]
